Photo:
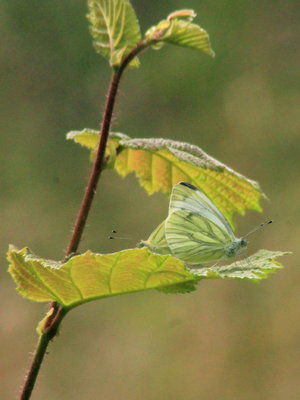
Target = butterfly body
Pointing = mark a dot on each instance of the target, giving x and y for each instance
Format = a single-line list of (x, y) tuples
[(235, 247), (195, 230)]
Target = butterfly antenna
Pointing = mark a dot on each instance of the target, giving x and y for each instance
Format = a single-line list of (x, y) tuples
[(258, 227), (111, 237)]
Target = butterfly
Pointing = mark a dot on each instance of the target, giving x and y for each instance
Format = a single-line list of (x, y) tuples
[(195, 230)]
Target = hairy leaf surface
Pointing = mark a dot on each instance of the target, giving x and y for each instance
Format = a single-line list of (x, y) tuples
[(160, 163), (253, 268)]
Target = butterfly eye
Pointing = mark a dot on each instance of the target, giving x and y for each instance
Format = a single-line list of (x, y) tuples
[(244, 243)]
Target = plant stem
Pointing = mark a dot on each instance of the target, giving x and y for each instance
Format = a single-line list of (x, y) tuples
[(98, 164), (51, 324), (40, 352), (35, 366)]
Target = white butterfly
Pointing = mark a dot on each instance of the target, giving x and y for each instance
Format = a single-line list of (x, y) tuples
[(195, 230)]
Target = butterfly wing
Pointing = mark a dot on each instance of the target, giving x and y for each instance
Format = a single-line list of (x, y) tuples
[(194, 238), (157, 240), (187, 197)]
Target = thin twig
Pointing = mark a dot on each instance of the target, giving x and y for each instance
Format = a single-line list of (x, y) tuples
[(98, 164), (51, 324), (39, 354)]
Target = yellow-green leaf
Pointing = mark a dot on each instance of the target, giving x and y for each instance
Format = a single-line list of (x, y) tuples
[(179, 30), (89, 138), (91, 276), (159, 164), (254, 268), (114, 28)]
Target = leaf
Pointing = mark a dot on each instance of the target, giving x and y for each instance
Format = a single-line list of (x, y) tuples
[(114, 28), (40, 329), (160, 163), (253, 268), (91, 276), (179, 30), (89, 138)]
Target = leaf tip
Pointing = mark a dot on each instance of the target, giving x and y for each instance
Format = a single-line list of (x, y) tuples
[(188, 15)]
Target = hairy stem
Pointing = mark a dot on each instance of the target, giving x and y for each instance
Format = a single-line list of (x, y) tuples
[(40, 351), (98, 164), (51, 324)]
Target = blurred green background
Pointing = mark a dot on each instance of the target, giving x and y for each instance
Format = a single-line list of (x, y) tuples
[(228, 340)]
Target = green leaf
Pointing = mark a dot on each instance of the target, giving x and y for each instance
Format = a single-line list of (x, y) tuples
[(91, 276), (114, 28), (89, 138), (179, 30), (159, 164), (254, 268)]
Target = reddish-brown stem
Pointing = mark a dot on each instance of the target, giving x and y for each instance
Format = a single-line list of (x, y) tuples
[(98, 164), (51, 324), (93, 179), (39, 354)]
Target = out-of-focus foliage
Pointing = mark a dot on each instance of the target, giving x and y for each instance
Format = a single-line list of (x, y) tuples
[(242, 107)]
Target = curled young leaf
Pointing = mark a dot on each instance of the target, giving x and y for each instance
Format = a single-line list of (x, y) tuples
[(179, 30)]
